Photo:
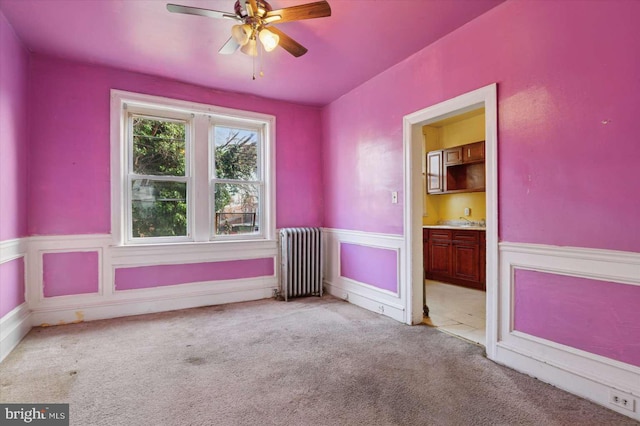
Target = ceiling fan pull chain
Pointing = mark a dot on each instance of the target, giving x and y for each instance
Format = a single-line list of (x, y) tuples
[(261, 61), (253, 60)]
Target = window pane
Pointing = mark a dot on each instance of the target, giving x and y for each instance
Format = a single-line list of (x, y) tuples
[(158, 147), (236, 155), (236, 208), (159, 209)]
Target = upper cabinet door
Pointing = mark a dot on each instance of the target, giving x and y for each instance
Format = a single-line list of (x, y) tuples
[(453, 156), (434, 172), (473, 152)]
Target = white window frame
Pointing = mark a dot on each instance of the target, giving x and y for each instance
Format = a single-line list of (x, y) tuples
[(241, 124), (199, 168)]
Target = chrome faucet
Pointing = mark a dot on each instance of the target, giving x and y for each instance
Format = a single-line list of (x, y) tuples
[(468, 222)]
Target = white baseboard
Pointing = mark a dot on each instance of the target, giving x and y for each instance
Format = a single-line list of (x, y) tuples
[(577, 384), (13, 327), (72, 309), (362, 295)]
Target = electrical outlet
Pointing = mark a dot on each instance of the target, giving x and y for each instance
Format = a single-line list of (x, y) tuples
[(622, 400), (394, 197), (467, 211)]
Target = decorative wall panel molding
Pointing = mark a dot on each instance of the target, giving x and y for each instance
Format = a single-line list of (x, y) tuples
[(580, 372), (109, 303), (365, 295)]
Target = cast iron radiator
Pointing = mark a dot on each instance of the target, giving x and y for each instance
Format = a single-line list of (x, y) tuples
[(300, 262)]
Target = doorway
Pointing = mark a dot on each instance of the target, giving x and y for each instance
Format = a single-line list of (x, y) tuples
[(483, 98), (453, 220)]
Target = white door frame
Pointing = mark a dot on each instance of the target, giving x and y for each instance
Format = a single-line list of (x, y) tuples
[(414, 192)]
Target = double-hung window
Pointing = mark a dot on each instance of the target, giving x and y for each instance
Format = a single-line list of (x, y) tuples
[(158, 185), (185, 172)]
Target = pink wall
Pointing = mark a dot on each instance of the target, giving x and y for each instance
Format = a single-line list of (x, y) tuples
[(162, 275), (70, 273), (370, 265), (69, 185), (568, 101), (595, 316), (11, 285), (14, 62)]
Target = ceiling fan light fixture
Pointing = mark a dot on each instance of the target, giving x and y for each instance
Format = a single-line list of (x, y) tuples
[(250, 48), (268, 39), (241, 33), (252, 16)]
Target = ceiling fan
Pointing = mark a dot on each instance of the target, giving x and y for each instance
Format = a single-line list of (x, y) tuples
[(255, 19)]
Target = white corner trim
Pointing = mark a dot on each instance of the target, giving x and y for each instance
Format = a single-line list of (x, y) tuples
[(14, 326)]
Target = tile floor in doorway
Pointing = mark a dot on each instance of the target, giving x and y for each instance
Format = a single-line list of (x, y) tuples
[(456, 310)]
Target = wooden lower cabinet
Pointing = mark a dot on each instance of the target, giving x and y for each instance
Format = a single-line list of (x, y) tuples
[(440, 257), (455, 256), (466, 262)]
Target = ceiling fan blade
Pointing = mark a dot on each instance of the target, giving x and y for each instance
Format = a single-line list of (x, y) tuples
[(319, 9), (289, 44), (189, 10), (252, 7), (229, 47)]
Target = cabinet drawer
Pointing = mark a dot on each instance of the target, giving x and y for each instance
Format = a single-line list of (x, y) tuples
[(440, 234), (466, 236)]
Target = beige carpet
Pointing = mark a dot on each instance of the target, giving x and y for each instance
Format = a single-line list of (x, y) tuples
[(307, 362)]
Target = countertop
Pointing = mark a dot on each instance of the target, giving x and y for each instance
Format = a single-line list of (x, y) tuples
[(470, 227)]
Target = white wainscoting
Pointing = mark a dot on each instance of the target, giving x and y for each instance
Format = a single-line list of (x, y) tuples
[(579, 372), (362, 294), (108, 303), (13, 327), (582, 373), (16, 323)]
